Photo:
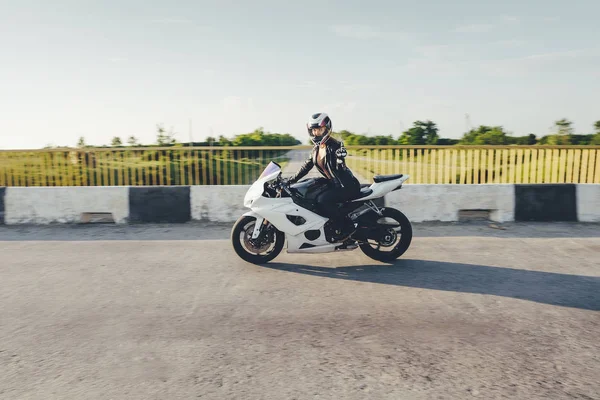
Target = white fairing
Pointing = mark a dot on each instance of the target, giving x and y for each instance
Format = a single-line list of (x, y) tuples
[(256, 190), (382, 188), (276, 210)]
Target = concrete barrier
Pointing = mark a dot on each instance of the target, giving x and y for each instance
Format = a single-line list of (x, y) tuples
[(444, 202), (159, 204), (180, 204), (588, 202), (2, 192), (218, 203), (46, 205), (545, 202)]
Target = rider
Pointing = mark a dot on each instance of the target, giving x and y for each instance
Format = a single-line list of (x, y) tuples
[(328, 156)]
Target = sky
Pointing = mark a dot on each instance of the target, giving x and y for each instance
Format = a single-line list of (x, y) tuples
[(100, 69)]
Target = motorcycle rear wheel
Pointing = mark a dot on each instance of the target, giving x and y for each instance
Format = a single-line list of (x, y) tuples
[(397, 242), (248, 250)]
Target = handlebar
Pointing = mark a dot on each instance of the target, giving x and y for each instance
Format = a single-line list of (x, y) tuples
[(281, 184)]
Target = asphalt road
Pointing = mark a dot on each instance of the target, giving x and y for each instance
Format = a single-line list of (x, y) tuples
[(170, 312)]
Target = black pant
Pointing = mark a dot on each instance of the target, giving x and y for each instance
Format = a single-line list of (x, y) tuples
[(327, 201)]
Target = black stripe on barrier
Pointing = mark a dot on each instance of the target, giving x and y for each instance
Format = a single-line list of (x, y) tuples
[(169, 204), (545, 202), (2, 192)]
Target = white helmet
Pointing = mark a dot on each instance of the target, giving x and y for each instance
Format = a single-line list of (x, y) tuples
[(321, 123)]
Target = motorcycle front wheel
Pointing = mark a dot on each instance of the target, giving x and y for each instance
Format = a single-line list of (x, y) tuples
[(395, 238), (260, 250)]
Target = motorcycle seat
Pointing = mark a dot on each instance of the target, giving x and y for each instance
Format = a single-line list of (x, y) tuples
[(385, 178)]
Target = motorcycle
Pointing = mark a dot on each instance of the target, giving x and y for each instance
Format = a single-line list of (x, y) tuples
[(281, 212)]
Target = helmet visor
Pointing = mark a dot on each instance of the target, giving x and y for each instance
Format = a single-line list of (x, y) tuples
[(318, 131)]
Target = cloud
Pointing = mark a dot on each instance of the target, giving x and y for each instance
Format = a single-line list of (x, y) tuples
[(489, 26), (511, 19), (437, 51), (474, 28), (539, 62), (363, 32), (170, 21), (237, 103), (439, 60), (561, 55), (510, 43), (306, 85), (355, 86), (434, 68), (116, 59), (343, 106)]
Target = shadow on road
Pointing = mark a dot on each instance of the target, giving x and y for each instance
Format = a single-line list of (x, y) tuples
[(543, 287)]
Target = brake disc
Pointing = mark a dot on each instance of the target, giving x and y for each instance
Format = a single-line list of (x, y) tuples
[(258, 245)]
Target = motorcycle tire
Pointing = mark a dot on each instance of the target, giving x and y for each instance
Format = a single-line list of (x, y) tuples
[(245, 224)]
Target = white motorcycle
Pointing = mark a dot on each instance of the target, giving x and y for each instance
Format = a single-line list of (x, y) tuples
[(283, 212)]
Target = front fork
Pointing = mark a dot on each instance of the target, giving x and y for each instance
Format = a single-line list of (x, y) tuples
[(258, 225)]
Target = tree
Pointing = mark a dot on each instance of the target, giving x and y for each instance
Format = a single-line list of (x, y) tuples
[(116, 141), (261, 138), (447, 142), (563, 127), (132, 141), (530, 139), (563, 133), (164, 138), (223, 141), (431, 132), (596, 138), (383, 140), (420, 134), (486, 135), (81, 142)]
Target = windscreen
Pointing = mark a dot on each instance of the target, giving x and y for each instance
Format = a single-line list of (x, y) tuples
[(271, 168)]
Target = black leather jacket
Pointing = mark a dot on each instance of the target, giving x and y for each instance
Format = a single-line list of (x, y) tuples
[(335, 166)]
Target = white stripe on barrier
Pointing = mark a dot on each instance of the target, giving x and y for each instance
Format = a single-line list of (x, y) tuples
[(46, 205), (221, 203), (588, 202), (423, 202)]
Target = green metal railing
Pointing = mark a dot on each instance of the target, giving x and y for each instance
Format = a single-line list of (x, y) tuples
[(137, 166)]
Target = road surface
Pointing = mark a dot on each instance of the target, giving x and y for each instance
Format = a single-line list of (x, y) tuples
[(170, 312)]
